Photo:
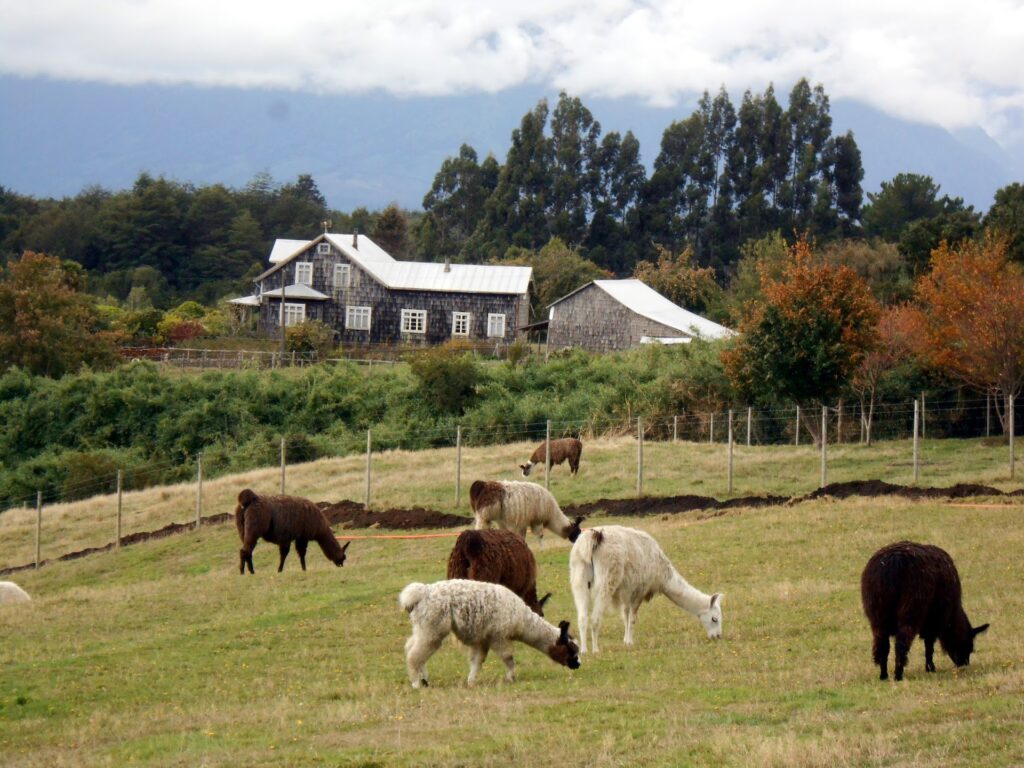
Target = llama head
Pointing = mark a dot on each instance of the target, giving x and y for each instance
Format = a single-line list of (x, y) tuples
[(565, 651), (526, 468), (573, 530), (962, 649), (711, 617), (246, 497), (341, 560)]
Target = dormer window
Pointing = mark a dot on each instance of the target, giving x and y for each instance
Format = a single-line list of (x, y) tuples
[(304, 273), (324, 249)]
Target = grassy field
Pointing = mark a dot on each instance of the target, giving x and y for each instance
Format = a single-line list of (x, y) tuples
[(162, 655)]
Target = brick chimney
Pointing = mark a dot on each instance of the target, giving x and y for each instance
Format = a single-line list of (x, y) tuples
[(355, 240)]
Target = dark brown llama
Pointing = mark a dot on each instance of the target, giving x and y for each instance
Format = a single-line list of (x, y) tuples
[(282, 520), (562, 449), (910, 589), (500, 557)]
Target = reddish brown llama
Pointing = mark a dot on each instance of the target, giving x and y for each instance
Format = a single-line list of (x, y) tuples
[(500, 557)]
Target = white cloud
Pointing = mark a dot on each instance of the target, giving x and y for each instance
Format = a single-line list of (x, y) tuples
[(950, 64)]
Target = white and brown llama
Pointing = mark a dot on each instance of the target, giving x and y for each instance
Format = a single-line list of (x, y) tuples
[(615, 566), (520, 506)]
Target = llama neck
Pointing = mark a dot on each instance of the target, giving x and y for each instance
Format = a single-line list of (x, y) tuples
[(537, 633), (685, 595)]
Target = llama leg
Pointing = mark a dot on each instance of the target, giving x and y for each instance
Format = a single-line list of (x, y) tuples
[(477, 656), (505, 651), (581, 596), (929, 650), (629, 619), (418, 650), (880, 653), (597, 610), (300, 547), (904, 637), (284, 547)]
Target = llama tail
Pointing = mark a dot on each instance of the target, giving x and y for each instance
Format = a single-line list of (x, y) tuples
[(582, 554), (411, 595)]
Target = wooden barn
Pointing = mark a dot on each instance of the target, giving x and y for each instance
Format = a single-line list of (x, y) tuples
[(352, 285), (606, 315)]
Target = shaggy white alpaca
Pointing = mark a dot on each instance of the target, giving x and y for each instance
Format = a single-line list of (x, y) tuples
[(518, 506), (618, 566), (12, 593), (482, 616)]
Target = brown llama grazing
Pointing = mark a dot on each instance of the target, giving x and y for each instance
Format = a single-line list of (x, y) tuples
[(913, 589), (520, 506), (282, 520), (564, 448), (500, 557)]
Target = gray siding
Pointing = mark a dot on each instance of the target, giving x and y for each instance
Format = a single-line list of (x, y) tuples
[(387, 304), (593, 320)]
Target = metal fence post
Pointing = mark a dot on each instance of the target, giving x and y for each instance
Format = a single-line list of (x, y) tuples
[(824, 443), (282, 464), (730, 450), (369, 451), (458, 465), (39, 523), (547, 454), (917, 410), (199, 490), (639, 456), (119, 486)]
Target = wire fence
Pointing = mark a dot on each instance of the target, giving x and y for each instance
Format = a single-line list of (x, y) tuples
[(35, 535)]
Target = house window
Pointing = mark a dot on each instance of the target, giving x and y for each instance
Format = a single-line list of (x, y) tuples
[(324, 249), (460, 323), (294, 314), (496, 326), (414, 321), (357, 318), (342, 276), (304, 273)]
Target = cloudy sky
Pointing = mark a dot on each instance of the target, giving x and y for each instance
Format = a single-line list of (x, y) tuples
[(953, 64)]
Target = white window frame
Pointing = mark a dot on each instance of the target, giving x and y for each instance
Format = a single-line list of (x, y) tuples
[(324, 249), (304, 267), (358, 318), (294, 314), (465, 318), (494, 319), (342, 275), (414, 321)]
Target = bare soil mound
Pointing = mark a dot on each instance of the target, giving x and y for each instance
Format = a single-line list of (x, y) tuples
[(872, 488), (352, 514), (667, 505)]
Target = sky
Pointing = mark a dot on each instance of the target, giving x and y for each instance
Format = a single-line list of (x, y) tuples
[(950, 64)]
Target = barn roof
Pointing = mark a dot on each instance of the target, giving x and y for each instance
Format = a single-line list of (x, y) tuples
[(640, 298), (410, 275)]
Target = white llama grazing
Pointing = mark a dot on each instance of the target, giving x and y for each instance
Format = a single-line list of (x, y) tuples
[(482, 616), (618, 566), (12, 593), (518, 506)]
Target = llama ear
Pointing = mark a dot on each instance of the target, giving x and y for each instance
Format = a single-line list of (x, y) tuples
[(975, 631), (563, 632), (579, 519), (346, 545), (716, 599), (543, 600)]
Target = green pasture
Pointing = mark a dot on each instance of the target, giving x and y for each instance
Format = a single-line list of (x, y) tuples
[(160, 654)]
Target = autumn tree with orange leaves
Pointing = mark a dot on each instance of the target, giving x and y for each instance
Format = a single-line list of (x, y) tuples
[(807, 336), (972, 309)]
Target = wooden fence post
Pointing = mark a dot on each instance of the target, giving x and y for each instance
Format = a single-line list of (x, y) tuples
[(711, 431), (199, 490), (675, 429), (458, 465), (119, 486), (39, 523), (824, 443), (797, 431), (369, 451), (839, 422), (750, 413), (988, 414), (639, 456), (1010, 418), (730, 450), (922, 416)]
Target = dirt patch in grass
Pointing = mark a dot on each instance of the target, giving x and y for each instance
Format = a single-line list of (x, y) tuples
[(352, 514)]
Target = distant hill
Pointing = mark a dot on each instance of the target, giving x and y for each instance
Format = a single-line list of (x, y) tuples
[(57, 137)]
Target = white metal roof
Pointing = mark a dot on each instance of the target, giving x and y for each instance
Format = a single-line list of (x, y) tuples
[(412, 275), (645, 301), (284, 248), (295, 291)]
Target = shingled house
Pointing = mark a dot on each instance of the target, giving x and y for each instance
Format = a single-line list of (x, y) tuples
[(606, 315), (352, 285)]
